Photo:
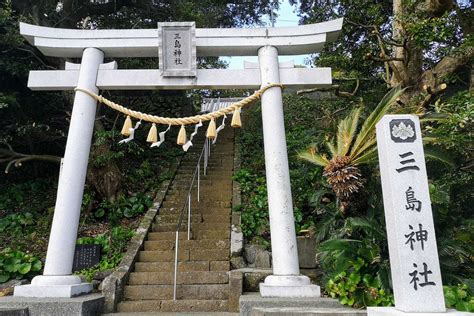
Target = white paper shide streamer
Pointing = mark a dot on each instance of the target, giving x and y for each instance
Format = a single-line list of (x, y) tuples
[(189, 142), (162, 138), (132, 133), (220, 128)]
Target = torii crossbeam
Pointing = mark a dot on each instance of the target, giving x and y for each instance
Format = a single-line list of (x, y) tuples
[(95, 45)]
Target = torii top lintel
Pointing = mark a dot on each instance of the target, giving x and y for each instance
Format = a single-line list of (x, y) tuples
[(303, 39)]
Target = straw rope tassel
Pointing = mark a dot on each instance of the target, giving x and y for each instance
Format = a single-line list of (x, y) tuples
[(181, 136), (152, 134), (236, 122), (211, 130), (127, 125)]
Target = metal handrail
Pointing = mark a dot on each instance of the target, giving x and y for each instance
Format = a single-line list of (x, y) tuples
[(205, 152)]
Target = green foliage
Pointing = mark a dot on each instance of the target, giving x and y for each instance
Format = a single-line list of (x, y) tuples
[(454, 128), (356, 289), (16, 264), (113, 244), (358, 145), (255, 211), (125, 207), (15, 223), (25, 195), (459, 297)]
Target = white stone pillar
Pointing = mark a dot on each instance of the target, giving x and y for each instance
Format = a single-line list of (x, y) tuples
[(286, 280), (57, 280)]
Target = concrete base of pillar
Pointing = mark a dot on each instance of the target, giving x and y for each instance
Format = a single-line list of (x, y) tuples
[(289, 286), (53, 286), (91, 304), (251, 302), (52, 290), (392, 311)]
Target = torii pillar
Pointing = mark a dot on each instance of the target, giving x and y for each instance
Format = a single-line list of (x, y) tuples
[(286, 280), (93, 45)]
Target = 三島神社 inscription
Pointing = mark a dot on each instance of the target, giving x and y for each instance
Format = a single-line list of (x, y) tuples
[(416, 275), (177, 49)]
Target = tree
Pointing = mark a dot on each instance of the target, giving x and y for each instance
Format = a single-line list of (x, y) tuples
[(353, 147), (418, 45)]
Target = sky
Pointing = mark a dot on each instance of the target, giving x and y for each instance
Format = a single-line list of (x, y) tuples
[(286, 17)]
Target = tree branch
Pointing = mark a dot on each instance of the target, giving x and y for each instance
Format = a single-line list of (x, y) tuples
[(335, 88), (12, 158)]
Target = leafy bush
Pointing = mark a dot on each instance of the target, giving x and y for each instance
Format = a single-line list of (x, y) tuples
[(354, 288), (125, 207), (454, 124), (16, 264), (459, 297), (255, 209), (113, 244), (14, 223)]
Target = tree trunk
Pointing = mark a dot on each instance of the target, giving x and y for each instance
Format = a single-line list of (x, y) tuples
[(406, 73), (106, 179), (409, 72)]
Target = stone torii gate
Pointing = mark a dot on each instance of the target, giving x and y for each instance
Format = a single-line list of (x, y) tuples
[(93, 75)]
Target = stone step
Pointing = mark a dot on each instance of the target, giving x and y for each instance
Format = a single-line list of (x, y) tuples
[(167, 236), (165, 292), (211, 234), (201, 205), (204, 197), (163, 255), (170, 227), (193, 254), (195, 218), (224, 160), (205, 182), (153, 245), (183, 266), (173, 306), (211, 211), (206, 193), (167, 278), (189, 171), (212, 175)]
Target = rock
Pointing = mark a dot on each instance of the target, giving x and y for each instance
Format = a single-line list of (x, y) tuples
[(100, 275), (96, 284), (250, 253), (7, 287), (263, 259), (236, 241), (237, 263), (254, 278)]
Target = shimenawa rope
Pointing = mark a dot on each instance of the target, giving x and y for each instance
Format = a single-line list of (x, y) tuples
[(183, 120)]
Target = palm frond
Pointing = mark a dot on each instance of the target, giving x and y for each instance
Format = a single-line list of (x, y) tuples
[(367, 224), (368, 128), (346, 131), (434, 117), (367, 157), (313, 157), (332, 149), (333, 245), (439, 155)]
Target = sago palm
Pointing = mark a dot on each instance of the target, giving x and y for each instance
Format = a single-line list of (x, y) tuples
[(352, 148)]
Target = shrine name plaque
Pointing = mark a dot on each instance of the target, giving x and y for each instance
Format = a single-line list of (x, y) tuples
[(414, 263), (86, 256), (177, 49)]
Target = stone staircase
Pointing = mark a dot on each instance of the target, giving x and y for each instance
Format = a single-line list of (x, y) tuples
[(203, 268)]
